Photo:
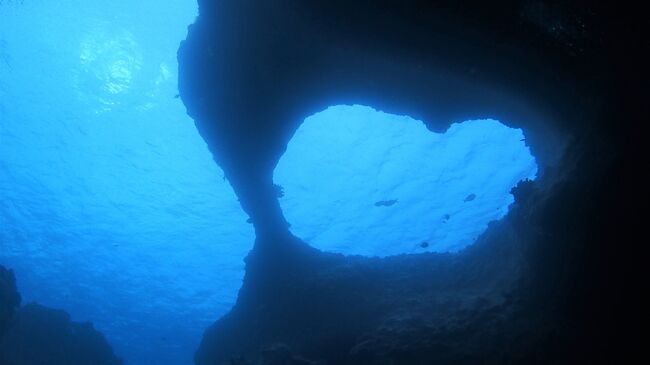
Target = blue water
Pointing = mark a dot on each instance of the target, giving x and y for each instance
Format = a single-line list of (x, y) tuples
[(359, 181), (112, 209), (111, 206)]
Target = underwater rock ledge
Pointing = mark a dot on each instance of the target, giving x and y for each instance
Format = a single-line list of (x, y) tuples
[(502, 300), (9, 298), (37, 335), (302, 306)]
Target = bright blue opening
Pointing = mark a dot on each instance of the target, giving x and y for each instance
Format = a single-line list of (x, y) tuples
[(359, 181), (111, 207)]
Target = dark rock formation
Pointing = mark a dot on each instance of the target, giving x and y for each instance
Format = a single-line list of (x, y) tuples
[(354, 310), (36, 335), (9, 298), (541, 286)]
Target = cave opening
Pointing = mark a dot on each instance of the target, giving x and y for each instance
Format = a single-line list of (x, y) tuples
[(358, 181)]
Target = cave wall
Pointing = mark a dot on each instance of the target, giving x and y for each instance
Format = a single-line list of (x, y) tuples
[(542, 286), (248, 93)]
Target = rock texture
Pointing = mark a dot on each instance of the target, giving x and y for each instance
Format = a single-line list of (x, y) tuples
[(9, 298), (36, 335), (471, 307), (542, 286)]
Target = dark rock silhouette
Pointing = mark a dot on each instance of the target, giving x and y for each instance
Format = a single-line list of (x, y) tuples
[(541, 286), (36, 335), (9, 298)]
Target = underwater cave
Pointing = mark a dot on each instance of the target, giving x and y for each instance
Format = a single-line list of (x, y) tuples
[(324, 182)]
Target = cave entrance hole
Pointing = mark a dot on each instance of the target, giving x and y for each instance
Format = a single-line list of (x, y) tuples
[(358, 181)]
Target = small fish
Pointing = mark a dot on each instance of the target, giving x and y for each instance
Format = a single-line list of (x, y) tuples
[(445, 218), (385, 203), (177, 96), (424, 244), (249, 220), (470, 197)]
